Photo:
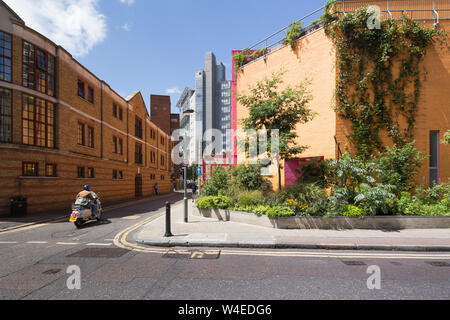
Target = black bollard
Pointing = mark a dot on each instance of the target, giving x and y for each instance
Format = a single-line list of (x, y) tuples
[(168, 231)]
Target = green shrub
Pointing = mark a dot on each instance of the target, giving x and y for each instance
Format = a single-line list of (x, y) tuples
[(398, 167), (374, 199), (214, 202), (280, 211), (218, 183), (353, 211), (250, 198), (248, 177)]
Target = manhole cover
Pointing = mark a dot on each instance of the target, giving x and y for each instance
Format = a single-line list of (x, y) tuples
[(192, 255), (99, 253), (51, 271), (439, 264), (354, 263)]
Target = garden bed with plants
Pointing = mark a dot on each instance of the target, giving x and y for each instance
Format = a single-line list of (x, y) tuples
[(354, 193)]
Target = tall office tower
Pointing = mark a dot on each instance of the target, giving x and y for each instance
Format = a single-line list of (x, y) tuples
[(213, 96)]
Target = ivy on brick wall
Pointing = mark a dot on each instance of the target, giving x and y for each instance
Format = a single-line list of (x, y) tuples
[(379, 75)]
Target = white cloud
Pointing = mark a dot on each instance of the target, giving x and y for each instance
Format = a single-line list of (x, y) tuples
[(126, 27), (76, 25), (174, 90), (128, 2)]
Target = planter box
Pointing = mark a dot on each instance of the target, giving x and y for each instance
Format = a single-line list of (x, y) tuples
[(336, 223)]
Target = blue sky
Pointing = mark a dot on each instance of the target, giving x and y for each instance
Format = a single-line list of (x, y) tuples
[(156, 46)]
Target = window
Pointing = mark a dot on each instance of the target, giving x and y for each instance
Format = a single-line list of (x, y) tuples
[(152, 134), (81, 134), (90, 95), (115, 146), (163, 177), (81, 89), (5, 116), (5, 57), (50, 170), (30, 169), (114, 110), (138, 153), (38, 69), (91, 137), (162, 140), (434, 158), (163, 160), (120, 114), (121, 146), (117, 175), (38, 122), (152, 177), (152, 156), (83, 140), (81, 173), (91, 173), (138, 127)]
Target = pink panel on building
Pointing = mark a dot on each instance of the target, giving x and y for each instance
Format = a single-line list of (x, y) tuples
[(290, 169)]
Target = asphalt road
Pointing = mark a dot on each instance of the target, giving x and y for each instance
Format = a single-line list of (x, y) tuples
[(35, 260)]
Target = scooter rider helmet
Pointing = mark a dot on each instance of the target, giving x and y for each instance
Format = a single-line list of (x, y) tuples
[(87, 188)]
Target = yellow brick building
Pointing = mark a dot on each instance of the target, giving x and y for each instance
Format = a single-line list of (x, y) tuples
[(61, 127), (314, 58)]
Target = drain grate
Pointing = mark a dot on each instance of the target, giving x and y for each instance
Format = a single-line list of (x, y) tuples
[(192, 255), (439, 264), (353, 263), (99, 253), (395, 263), (52, 271)]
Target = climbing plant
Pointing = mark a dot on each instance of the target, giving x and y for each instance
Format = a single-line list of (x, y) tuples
[(245, 56), (379, 75), (294, 33)]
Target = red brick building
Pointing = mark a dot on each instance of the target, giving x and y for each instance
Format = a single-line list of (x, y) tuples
[(61, 127)]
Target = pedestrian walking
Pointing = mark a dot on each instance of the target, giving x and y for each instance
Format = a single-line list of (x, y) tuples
[(156, 188)]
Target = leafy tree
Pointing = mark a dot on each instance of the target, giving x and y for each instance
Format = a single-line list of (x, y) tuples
[(248, 177), (218, 183), (273, 109)]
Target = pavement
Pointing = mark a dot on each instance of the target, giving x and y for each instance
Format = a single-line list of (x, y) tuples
[(210, 232), (8, 223)]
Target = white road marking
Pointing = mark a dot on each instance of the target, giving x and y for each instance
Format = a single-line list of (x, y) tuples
[(8, 242), (37, 242), (99, 244), (131, 218), (67, 243)]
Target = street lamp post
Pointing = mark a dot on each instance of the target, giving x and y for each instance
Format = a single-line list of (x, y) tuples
[(185, 196), (189, 112)]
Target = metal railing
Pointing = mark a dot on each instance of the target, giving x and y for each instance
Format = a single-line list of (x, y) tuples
[(428, 10)]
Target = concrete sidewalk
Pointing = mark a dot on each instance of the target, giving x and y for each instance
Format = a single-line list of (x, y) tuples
[(206, 232), (10, 223)]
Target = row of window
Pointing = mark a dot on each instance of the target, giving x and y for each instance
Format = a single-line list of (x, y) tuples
[(82, 91), (86, 135), (153, 177), (31, 169)]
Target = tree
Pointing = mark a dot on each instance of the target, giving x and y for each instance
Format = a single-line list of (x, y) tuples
[(274, 109)]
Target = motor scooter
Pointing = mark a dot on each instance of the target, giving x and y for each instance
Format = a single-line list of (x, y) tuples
[(82, 212)]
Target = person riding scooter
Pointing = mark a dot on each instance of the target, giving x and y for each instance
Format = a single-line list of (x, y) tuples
[(90, 197)]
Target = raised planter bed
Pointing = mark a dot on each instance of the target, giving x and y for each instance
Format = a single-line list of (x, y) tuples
[(335, 223)]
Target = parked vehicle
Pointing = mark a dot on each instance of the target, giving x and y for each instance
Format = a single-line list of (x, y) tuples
[(82, 212)]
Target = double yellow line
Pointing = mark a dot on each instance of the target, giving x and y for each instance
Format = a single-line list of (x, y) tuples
[(121, 241)]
